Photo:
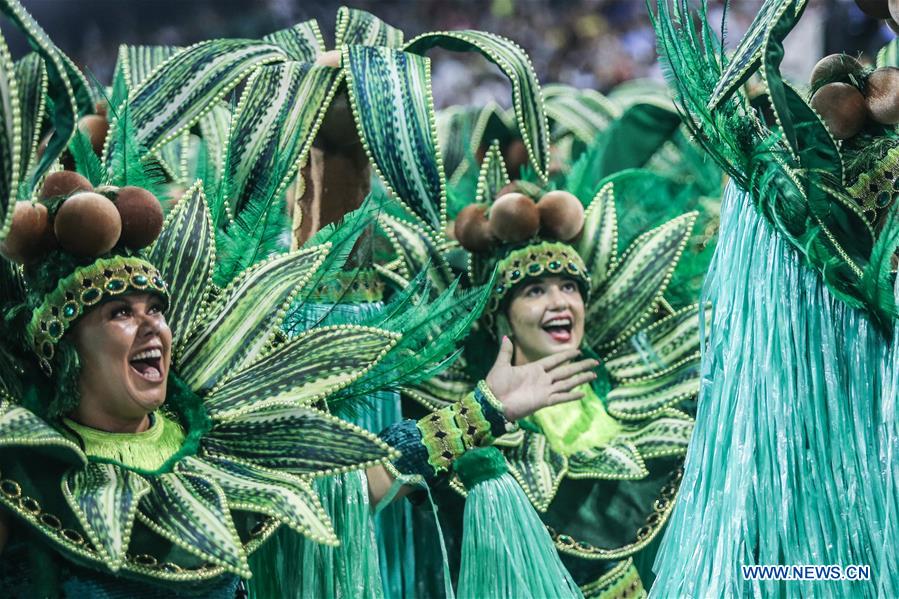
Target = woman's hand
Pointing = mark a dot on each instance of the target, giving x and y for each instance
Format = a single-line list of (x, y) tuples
[(525, 389)]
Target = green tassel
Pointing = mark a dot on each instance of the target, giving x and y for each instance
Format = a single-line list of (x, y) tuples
[(506, 550)]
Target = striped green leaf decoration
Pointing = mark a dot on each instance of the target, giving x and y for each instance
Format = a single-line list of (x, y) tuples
[(390, 93), (493, 176), (66, 87), (287, 498), (22, 428), (215, 127), (358, 28), (277, 117), (515, 64), (583, 113), (135, 63), (618, 460), (242, 321), (31, 80), (179, 91), (302, 371), (440, 391), (643, 398), (184, 253), (598, 244), (748, 54), (663, 437), (633, 290), (418, 251), (888, 56), (192, 512), (660, 347), (302, 43), (10, 139), (299, 439), (537, 468), (105, 497), (462, 135)]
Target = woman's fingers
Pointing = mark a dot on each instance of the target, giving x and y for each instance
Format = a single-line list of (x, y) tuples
[(568, 370), (573, 381), (552, 361), (557, 398)]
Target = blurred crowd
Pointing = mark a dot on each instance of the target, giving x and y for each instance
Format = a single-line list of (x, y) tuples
[(586, 43)]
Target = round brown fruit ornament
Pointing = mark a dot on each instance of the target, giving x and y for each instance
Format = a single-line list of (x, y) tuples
[(87, 224), (561, 215), (882, 95), (472, 229), (879, 9), (836, 67), (842, 107), (514, 218), (95, 127), (30, 237), (141, 215), (64, 183)]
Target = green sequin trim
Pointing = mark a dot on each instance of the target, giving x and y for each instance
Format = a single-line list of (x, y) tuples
[(86, 287)]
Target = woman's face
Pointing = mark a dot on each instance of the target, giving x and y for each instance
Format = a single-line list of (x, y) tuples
[(124, 346), (546, 316)]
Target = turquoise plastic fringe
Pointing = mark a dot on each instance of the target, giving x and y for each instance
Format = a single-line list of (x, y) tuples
[(793, 459), (506, 550), (393, 525)]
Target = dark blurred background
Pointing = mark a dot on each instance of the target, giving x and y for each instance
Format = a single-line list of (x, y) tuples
[(586, 43)]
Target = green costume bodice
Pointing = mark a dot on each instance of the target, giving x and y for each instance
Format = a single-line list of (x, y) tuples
[(147, 450)]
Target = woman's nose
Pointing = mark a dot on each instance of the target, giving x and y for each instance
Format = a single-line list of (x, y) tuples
[(557, 299)]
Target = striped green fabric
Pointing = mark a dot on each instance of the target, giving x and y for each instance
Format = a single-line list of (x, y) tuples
[(66, 87), (273, 130), (663, 437), (537, 468), (617, 461), (302, 371), (243, 320), (303, 42), (634, 288), (10, 139), (359, 28), (20, 427), (583, 113), (31, 81), (418, 251), (493, 176), (641, 398), (105, 497), (192, 513), (390, 93), (184, 254), (288, 498), (598, 244), (135, 63), (215, 127), (179, 91), (527, 100), (299, 439)]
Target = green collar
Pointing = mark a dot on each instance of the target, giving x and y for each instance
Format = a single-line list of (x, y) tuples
[(148, 450)]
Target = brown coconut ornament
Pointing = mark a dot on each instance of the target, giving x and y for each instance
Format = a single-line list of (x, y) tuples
[(95, 127), (87, 224), (893, 6), (882, 95), (472, 229), (836, 67), (879, 9), (514, 218), (141, 215), (561, 215), (64, 183), (842, 107), (30, 237)]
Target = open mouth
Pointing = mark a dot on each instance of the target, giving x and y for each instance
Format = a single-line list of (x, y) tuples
[(148, 364), (559, 329)]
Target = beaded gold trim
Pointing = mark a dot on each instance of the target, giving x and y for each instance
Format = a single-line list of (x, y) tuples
[(655, 521), (86, 287), (621, 582)]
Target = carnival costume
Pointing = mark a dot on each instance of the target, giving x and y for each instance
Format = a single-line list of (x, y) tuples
[(793, 460), (245, 428), (631, 431)]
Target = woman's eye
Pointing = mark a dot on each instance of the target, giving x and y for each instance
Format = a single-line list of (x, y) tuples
[(121, 312), (569, 287), (157, 309), (534, 291)]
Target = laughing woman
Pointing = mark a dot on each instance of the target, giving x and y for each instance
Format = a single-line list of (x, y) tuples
[(602, 468)]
